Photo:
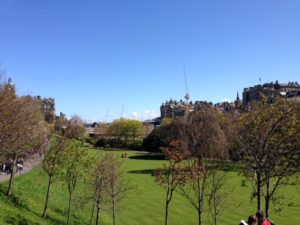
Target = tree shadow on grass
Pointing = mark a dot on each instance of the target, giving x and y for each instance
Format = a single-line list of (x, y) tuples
[(221, 167), (149, 156), (55, 221), (59, 211), (227, 166), (147, 171), (19, 219)]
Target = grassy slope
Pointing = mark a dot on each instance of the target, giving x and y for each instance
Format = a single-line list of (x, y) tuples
[(143, 206)]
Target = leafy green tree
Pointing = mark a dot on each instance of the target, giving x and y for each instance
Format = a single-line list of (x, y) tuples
[(268, 147), (76, 162), (125, 130), (53, 163)]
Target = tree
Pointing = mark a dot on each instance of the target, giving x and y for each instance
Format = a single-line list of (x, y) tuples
[(268, 147), (163, 135), (125, 130), (53, 163), (216, 195), (100, 185), (202, 138), (117, 185), (23, 129), (170, 176), (101, 129), (76, 162), (74, 128)]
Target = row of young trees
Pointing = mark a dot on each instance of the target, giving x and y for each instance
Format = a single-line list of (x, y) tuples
[(24, 132), (67, 161), (265, 140)]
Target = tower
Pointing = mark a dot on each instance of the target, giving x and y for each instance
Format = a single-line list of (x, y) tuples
[(187, 96), (237, 101)]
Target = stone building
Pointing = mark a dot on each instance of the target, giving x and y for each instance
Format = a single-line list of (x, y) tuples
[(47, 108), (270, 90), (177, 109), (290, 90), (173, 109)]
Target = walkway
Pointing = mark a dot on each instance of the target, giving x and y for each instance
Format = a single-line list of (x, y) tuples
[(28, 165)]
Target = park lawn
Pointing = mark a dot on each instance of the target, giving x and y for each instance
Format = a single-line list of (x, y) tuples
[(143, 206)]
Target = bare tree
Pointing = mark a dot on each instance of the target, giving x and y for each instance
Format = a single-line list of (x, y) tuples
[(216, 195), (170, 176), (117, 185), (100, 186), (203, 138), (268, 145), (74, 128)]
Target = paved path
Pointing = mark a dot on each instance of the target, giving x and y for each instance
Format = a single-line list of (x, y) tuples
[(28, 165)]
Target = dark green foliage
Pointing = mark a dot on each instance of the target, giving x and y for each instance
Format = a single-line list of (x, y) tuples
[(162, 136), (155, 140), (115, 143)]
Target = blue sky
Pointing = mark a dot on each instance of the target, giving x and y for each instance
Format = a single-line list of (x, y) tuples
[(95, 56)]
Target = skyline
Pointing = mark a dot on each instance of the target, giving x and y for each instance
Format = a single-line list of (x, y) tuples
[(94, 57)]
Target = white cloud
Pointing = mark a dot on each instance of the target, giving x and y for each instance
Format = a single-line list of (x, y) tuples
[(226, 100), (146, 115)]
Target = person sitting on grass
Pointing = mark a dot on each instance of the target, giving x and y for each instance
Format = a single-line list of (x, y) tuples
[(262, 220), (251, 221)]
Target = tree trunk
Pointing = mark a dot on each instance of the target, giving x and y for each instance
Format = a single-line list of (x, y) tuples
[(215, 212), (98, 214), (199, 211), (167, 208), (9, 190), (167, 214), (47, 197), (200, 193), (92, 216), (199, 217), (259, 191), (114, 210), (267, 199), (69, 208)]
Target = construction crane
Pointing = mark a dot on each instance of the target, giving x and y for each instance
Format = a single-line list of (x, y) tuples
[(187, 96)]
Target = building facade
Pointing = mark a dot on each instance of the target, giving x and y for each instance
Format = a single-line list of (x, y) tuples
[(47, 108), (270, 90)]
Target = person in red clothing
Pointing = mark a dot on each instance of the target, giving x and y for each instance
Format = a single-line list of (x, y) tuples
[(261, 219)]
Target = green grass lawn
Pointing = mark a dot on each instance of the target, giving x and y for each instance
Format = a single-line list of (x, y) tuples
[(143, 206)]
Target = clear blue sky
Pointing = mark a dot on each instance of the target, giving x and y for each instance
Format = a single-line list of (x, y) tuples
[(95, 56)]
